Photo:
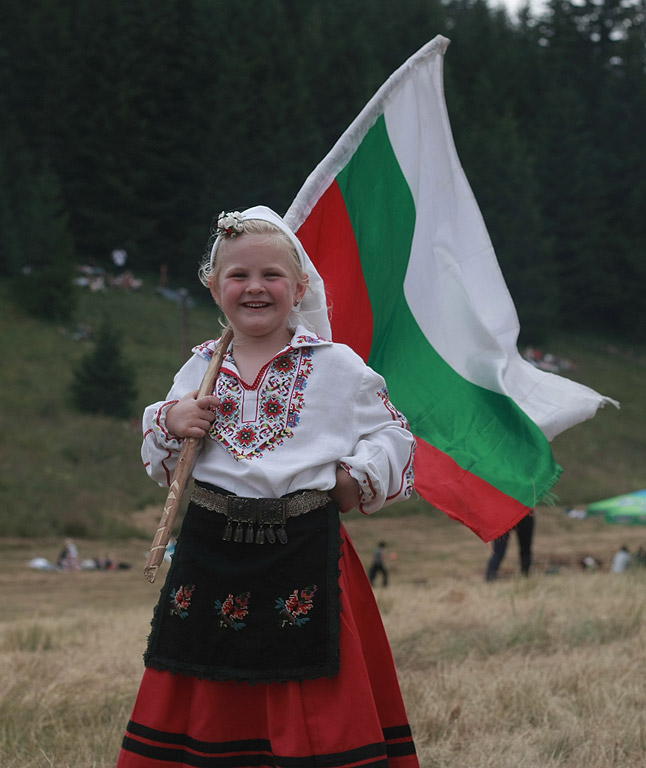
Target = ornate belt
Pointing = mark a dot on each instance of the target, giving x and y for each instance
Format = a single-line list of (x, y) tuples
[(260, 516)]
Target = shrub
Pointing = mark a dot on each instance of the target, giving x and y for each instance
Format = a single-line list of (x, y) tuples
[(103, 382)]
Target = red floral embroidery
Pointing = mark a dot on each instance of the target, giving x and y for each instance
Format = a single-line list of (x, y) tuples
[(293, 610), (228, 406), (284, 364), (409, 474), (396, 414), (280, 399), (180, 600), (272, 407), (246, 435), (233, 610), (307, 339)]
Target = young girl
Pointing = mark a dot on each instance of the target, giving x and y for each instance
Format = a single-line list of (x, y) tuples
[(267, 648)]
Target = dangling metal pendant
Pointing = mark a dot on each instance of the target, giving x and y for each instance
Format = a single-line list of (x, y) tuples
[(271, 536), (237, 536), (248, 537), (260, 536), (282, 535), (228, 532)]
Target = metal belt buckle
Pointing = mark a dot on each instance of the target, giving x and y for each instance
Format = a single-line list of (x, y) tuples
[(264, 513), (240, 509), (273, 512)]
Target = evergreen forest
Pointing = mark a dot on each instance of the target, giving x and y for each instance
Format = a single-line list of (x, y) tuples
[(130, 125)]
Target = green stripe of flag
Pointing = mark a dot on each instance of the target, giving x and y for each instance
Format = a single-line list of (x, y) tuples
[(505, 447)]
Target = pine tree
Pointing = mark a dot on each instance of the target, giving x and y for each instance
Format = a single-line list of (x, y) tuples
[(103, 382), (44, 287), (153, 115)]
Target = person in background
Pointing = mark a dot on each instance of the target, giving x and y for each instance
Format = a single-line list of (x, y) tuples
[(378, 565), (525, 534), (68, 559), (621, 561)]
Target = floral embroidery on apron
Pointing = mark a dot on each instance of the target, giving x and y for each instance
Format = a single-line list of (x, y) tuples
[(180, 600), (293, 610), (233, 610)]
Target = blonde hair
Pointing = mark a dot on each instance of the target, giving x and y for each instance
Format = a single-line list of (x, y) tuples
[(211, 263)]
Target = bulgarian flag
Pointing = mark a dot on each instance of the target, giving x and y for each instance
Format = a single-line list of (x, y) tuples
[(391, 223)]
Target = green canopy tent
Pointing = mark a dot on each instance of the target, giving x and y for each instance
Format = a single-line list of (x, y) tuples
[(627, 509)]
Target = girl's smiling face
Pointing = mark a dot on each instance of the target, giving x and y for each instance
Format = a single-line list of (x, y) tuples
[(257, 286)]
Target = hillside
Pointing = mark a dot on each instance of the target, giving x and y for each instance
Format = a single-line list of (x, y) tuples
[(62, 472)]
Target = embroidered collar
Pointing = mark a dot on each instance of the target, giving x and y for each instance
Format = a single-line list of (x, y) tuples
[(301, 338), (254, 418)]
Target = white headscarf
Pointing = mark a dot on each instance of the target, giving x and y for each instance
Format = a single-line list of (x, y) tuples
[(312, 310)]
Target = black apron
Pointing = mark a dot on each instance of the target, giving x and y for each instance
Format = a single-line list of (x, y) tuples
[(250, 612)]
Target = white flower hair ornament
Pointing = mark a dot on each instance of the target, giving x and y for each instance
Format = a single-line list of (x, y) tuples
[(229, 224)]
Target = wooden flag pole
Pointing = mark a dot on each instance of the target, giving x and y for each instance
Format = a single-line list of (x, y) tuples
[(184, 468)]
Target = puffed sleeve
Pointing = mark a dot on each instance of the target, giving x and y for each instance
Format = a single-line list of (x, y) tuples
[(160, 449), (382, 459)]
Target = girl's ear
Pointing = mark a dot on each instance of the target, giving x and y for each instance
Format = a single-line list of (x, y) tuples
[(213, 287), (301, 287)]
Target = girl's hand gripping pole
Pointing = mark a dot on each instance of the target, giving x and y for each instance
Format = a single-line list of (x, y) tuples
[(184, 468)]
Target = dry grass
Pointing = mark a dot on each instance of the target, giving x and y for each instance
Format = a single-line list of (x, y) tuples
[(541, 672), (538, 673)]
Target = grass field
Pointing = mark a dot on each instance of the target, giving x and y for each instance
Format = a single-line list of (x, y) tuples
[(545, 672), (541, 672)]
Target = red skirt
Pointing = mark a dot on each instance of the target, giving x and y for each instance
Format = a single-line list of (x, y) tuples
[(356, 719)]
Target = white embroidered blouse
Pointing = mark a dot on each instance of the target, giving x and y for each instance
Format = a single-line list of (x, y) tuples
[(314, 407)]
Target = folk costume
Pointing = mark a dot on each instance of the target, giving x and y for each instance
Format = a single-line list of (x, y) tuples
[(267, 647)]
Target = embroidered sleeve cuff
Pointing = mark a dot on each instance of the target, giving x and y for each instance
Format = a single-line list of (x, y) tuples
[(366, 489), (162, 436)]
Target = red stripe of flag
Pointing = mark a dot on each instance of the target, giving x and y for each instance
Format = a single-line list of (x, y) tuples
[(327, 235), (477, 504)]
